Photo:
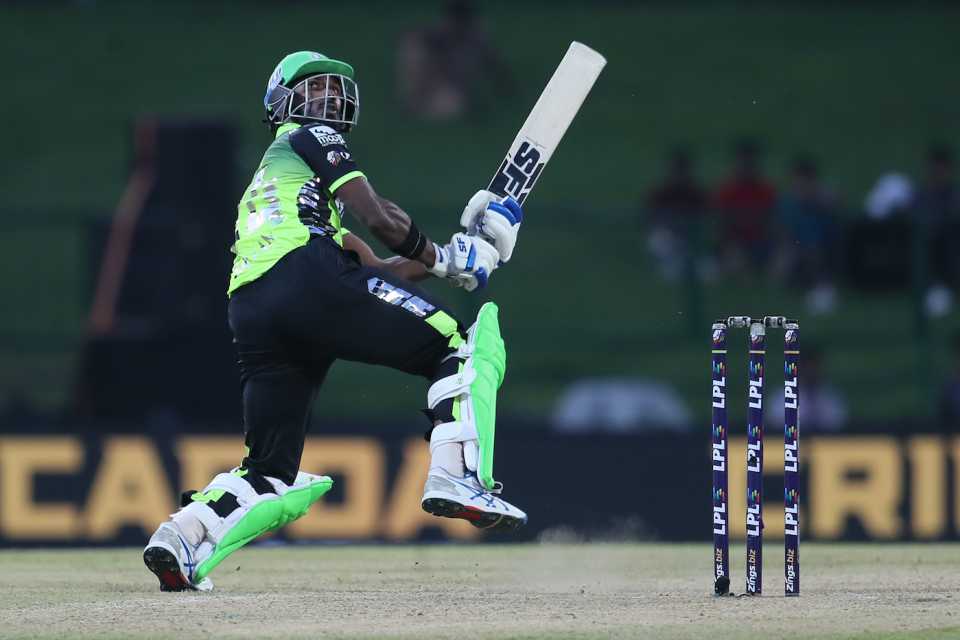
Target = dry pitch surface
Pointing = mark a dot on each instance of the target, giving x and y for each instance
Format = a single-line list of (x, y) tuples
[(517, 591)]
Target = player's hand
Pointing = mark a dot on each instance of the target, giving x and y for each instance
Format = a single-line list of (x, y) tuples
[(475, 208), (466, 255), (466, 280), (498, 222)]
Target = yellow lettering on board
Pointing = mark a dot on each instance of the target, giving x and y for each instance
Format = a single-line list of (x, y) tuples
[(859, 478), (956, 484), (130, 488), (737, 489), (928, 484), (357, 465), (203, 457), (20, 460), (405, 518)]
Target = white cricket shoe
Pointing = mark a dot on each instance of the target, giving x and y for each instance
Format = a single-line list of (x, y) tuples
[(448, 496), (173, 560)]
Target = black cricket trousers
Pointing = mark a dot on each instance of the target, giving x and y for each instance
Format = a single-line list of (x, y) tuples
[(318, 304)]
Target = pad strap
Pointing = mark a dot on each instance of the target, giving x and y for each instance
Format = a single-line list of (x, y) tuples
[(450, 387), (452, 432), (465, 432), (235, 484)]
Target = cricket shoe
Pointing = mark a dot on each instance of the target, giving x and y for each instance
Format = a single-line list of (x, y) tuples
[(449, 496), (173, 560)]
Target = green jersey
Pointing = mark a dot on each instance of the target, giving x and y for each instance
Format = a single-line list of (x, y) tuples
[(269, 223)]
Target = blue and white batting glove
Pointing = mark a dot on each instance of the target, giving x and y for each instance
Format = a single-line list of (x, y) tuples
[(497, 222), (467, 260)]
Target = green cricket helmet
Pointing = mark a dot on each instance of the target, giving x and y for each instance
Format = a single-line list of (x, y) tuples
[(310, 87)]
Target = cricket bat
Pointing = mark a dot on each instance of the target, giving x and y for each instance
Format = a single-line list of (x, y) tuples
[(548, 121)]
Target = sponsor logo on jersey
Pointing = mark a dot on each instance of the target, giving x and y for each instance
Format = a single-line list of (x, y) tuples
[(326, 136), (336, 157)]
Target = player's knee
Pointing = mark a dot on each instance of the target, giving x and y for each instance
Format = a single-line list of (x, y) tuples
[(449, 335)]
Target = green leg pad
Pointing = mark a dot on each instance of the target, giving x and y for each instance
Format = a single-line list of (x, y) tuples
[(490, 363), (264, 517)]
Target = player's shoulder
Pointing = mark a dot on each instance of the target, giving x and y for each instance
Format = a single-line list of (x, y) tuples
[(318, 134)]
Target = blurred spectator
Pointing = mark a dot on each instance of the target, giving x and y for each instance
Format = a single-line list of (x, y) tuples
[(938, 200), (619, 405), (822, 407), (674, 210), (745, 203), (876, 248), (890, 195), (950, 394), (450, 69), (808, 220), (937, 212)]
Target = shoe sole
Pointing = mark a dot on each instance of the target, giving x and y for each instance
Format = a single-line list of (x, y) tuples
[(480, 519), (164, 565)]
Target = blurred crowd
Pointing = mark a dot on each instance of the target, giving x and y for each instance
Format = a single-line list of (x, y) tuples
[(801, 234), (449, 70)]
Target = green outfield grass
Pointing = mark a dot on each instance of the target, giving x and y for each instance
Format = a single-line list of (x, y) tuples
[(517, 591)]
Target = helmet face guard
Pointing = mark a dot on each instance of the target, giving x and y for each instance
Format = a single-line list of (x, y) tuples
[(329, 98), (309, 87)]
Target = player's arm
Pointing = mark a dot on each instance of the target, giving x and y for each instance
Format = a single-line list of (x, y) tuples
[(466, 261), (325, 152), (408, 269), (387, 222)]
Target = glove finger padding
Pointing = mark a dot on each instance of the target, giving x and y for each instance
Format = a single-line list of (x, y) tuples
[(477, 204), (500, 223), (466, 280)]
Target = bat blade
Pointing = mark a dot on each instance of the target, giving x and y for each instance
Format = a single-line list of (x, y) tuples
[(548, 122)]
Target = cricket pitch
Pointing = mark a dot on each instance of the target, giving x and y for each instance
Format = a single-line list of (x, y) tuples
[(493, 591)]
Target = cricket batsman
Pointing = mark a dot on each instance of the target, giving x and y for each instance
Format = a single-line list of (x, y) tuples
[(305, 292)]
